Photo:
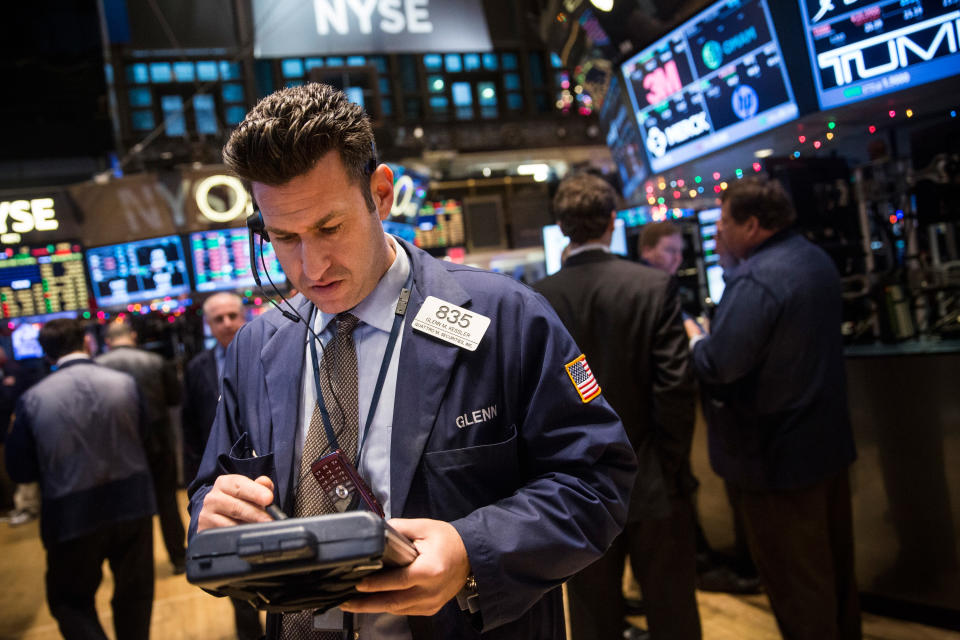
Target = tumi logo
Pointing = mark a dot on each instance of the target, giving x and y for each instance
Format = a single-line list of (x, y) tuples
[(367, 16), (849, 63)]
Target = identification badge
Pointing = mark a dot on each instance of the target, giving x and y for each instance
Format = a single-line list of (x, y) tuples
[(456, 325)]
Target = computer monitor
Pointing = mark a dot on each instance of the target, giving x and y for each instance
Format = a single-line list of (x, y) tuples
[(26, 330), (36, 280), (554, 243), (715, 80), (221, 260), (713, 272), (136, 271), (866, 49), (409, 192)]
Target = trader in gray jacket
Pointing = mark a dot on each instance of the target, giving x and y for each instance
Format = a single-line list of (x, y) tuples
[(97, 499), (160, 389)]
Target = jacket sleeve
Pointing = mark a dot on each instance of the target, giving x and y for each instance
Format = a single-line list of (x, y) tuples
[(20, 449), (673, 389), (741, 330), (577, 469)]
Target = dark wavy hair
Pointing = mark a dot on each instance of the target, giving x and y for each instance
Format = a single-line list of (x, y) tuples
[(761, 197), (289, 131), (583, 204)]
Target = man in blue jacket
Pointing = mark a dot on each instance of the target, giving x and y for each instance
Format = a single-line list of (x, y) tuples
[(490, 445), (772, 379), (78, 432)]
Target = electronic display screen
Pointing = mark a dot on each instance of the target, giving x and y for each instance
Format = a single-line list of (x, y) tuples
[(623, 138), (554, 242), (717, 79), (863, 49), (409, 192), (221, 260), (41, 280), (25, 334), (711, 259), (135, 271), (639, 216)]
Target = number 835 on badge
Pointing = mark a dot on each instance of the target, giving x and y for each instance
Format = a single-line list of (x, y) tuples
[(451, 323)]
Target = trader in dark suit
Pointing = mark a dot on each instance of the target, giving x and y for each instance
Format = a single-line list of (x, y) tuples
[(223, 313), (772, 375), (160, 390), (626, 318), (78, 433)]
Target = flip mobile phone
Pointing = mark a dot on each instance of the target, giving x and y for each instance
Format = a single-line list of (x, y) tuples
[(341, 482)]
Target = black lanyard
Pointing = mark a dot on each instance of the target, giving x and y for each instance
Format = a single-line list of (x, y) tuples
[(399, 313)]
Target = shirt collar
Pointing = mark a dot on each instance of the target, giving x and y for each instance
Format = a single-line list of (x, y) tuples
[(377, 309), (589, 246), (76, 355)]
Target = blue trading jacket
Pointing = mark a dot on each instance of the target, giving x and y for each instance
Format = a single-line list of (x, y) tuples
[(78, 432), (772, 373), (537, 492)]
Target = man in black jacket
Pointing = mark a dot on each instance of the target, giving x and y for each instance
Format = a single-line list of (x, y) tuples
[(78, 432), (223, 313), (626, 318), (775, 400), (159, 388)]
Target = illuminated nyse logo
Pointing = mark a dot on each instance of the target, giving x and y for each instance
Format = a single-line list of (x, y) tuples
[(396, 16), (26, 215), (658, 141), (849, 60), (222, 209)]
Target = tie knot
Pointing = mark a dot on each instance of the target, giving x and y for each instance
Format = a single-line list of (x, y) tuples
[(346, 323)]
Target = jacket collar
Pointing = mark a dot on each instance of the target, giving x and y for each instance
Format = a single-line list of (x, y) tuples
[(589, 257)]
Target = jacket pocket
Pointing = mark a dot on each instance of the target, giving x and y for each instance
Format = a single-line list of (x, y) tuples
[(458, 481), (242, 461)]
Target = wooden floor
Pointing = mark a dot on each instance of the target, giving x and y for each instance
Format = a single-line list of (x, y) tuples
[(183, 612)]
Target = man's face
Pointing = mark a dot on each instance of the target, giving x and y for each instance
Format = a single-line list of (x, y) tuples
[(667, 254), (734, 239), (331, 247), (224, 315)]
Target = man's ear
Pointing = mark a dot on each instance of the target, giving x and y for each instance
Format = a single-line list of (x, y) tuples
[(381, 188)]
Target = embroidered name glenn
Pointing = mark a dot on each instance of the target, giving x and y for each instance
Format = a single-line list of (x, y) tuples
[(475, 417)]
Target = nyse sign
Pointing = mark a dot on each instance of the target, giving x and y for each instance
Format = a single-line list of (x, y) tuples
[(318, 27), (848, 63), (23, 216)]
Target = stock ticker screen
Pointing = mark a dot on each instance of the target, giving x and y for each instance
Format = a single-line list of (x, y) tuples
[(863, 49), (623, 138), (221, 260), (137, 271), (41, 280), (717, 79)]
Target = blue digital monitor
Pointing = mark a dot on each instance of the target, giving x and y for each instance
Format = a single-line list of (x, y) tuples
[(708, 219), (43, 279), (406, 231), (26, 331), (639, 216), (409, 192), (717, 79), (221, 260), (554, 242), (863, 49), (623, 138), (136, 271)]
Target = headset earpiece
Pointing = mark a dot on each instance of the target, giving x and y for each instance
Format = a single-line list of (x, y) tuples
[(373, 163), (255, 226)]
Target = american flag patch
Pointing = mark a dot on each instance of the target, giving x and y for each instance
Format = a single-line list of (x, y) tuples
[(582, 379)]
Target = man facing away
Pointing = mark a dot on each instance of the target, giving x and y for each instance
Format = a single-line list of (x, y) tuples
[(223, 313), (78, 432), (626, 317), (507, 474), (772, 376), (159, 390)]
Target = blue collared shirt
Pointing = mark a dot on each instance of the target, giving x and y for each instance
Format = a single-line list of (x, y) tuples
[(376, 314)]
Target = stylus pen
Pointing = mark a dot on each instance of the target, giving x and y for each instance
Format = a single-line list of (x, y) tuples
[(272, 510)]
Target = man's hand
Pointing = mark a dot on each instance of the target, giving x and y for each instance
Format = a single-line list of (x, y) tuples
[(426, 584), (236, 499), (692, 328)]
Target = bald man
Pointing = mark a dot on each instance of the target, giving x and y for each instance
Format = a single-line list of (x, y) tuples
[(224, 314)]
